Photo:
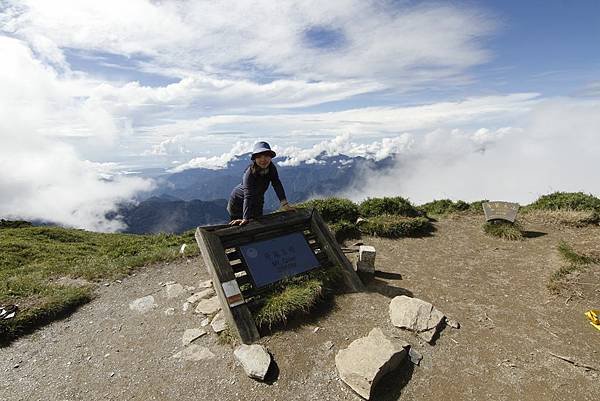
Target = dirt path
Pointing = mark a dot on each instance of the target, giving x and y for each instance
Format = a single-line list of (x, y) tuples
[(495, 289)]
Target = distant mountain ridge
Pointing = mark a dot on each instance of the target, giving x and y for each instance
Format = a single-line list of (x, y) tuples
[(325, 176), (198, 196)]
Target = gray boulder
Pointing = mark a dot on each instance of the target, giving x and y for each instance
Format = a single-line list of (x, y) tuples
[(368, 359), (255, 360), (416, 315)]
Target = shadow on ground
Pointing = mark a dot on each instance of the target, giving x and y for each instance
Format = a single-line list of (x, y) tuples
[(392, 384)]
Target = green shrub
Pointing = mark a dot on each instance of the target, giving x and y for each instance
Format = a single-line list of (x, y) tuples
[(333, 210), (504, 230), (394, 226), (14, 223), (397, 205), (296, 295), (566, 201), (344, 230), (444, 206), (477, 206)]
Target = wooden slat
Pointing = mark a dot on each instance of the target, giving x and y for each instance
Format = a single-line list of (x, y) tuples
[(264, 223), (238, 317), (333, 250)]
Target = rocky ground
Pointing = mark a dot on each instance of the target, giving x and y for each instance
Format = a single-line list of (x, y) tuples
[(511, 326)]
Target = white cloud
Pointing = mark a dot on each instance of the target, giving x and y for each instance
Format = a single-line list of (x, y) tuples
[(556, 149), (363, 39), (42, 177), (215, 162)]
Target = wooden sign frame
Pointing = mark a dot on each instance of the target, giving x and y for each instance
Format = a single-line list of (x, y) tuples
[(230, 278), (500, 210)]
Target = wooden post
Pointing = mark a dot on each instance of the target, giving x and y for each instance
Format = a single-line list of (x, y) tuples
[(335, 253), (238, 317)]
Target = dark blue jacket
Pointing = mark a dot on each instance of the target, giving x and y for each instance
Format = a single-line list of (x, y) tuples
[(247, 199)]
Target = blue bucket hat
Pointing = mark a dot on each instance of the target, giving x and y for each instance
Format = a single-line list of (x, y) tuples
[(262, 147)]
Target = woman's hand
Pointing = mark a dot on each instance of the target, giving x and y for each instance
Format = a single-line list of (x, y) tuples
[(238, 222)]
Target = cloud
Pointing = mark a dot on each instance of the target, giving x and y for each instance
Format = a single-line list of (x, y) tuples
[(43, 177), (215, 162), (555, 149), (364, 125), (305, 39)]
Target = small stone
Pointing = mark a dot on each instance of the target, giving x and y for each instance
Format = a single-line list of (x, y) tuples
[(255, 360), (112, 374), (16, 366), (316, 329), (190, 288), (453, 323), (415, 356), (143, 305), (192, 334), (118, 281), (205, 284), (106, 355), (208, 306), (186, 306), (209, 292), (194, 352), (218, 323), (205, 322), (327, 345), (106, 284), (174, 290), (169, 282), (170, 311)]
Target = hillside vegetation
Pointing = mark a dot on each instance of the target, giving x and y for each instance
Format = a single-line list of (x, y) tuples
[(49, 271)]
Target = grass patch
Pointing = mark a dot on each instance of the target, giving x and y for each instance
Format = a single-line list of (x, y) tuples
[(393, 226), (569, 218), (344, 230), (503, 229), (397, 205), (574, 258), (33, 259), (443, 207), (227, 337), (333, 210), (567, 201), (296, 295), (576, 262)]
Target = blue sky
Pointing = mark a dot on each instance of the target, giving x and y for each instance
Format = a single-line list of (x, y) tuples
[(92, 90)]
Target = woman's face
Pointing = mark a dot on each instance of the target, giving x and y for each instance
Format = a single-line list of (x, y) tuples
[(263, 160)]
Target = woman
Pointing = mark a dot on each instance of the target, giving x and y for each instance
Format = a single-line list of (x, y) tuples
[(247, 199)]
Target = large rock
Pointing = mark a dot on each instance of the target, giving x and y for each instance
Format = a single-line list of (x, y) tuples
[(208, 306), (143, 305), (416, 315), (194, 352), (255, 360), (368, 359)]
